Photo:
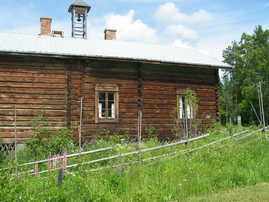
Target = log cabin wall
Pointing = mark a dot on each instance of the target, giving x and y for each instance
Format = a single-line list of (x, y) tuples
[(56, 86), (153, 88), (32, 85), (123, 75), (160, 95)]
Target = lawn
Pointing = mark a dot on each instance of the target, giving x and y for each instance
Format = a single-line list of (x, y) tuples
[(254, 193)]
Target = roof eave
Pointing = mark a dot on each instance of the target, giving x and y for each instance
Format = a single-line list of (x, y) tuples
[(64, 56)]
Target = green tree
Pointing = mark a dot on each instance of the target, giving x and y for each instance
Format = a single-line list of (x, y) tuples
[(250, 59)]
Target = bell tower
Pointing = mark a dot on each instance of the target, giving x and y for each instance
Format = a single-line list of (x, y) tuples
[(79, 11)]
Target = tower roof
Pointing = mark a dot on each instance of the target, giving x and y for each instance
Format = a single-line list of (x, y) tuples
[(79, 3)]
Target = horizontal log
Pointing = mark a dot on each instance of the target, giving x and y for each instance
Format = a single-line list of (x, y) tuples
[(128, 90), (26, 112), (28, 124), (37, 74), (50, 80), (158, 84), (128, 100), (12, 140), (159, 96), (128, 110), (32, 85), (31, 101), (207, 103), (31, 106), (157, 115), (160, 101), (13, 134), (30, 90), (31, 96), (30, 118), (32, 68)]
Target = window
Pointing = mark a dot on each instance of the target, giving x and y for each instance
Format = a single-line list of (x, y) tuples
[(106, 102), (185, 108)]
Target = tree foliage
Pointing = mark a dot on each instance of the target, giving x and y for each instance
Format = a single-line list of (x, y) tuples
[(250, 60)]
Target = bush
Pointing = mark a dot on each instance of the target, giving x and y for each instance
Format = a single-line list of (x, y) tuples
[(47, 141)]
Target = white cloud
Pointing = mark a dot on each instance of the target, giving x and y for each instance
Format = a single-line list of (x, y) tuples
[(182, 31), (169, 12), (180, 43), (130, 28)]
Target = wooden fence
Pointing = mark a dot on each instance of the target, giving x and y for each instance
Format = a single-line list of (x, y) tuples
[(62, 161)]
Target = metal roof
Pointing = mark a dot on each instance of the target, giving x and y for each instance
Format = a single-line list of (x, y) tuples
[(79, 3), (26, 44)]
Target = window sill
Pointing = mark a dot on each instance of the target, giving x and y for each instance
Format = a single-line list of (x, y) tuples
[(107, 120)]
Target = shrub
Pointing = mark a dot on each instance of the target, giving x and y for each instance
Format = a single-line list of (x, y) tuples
[(150, 131), (48, 141)]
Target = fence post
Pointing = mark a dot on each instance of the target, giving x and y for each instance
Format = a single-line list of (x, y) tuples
[(36, 170), (50, 162), (64, 160), (60, 177)]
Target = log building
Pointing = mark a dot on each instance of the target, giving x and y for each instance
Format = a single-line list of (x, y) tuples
[(114, 85)]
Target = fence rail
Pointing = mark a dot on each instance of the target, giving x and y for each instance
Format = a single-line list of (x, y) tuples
[(236, 137), (62, 157), (177, 153)]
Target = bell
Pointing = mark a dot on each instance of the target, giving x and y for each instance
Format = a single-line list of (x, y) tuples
[(79, 18)]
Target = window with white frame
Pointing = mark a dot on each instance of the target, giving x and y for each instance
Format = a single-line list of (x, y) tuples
[(107, 105), (106, 102), (185, 108)]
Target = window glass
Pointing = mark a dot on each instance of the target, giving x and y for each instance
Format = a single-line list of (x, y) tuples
[(102, 105), (107, 105), (111, 105)]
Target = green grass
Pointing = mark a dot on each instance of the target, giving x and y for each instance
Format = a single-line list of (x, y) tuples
[(254, 193), (186, 177)]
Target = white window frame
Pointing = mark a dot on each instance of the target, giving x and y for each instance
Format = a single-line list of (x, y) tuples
[(181, 93), (188, 108), (106, 88)]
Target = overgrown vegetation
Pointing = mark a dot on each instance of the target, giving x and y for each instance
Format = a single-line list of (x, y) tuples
[(187, 125), (48, 141), (237, 164)]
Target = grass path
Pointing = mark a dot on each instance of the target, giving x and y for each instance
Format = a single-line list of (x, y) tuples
[(255, 193)]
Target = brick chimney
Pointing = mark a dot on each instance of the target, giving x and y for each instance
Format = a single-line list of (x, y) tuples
[(110, 34), (45, 26)]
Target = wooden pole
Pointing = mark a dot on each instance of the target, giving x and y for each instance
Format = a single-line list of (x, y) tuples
[(259, 96), (186, 121), (60, 177), (64, 160), (80, 123), (139, 126), (262, 109), (15, 132), (141, 120), (36, 170), (255, 113)]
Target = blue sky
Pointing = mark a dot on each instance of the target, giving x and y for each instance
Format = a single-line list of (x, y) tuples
[(207, 25)]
